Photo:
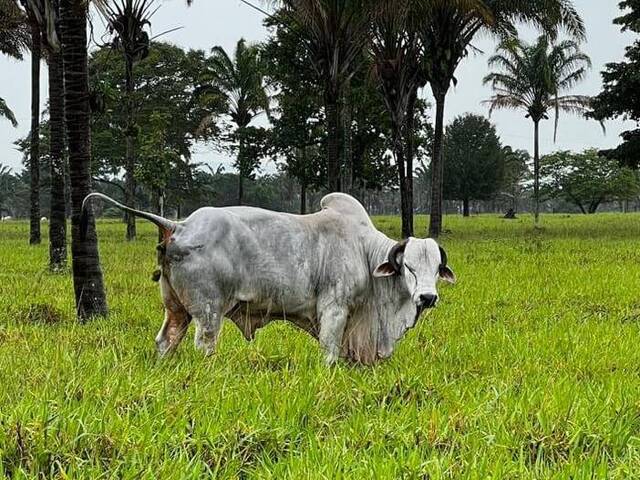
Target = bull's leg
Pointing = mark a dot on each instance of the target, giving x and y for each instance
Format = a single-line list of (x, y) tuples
[(176, 322), (208, 320), (333, 321)]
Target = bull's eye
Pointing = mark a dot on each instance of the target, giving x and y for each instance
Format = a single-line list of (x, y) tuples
[(411, 270)]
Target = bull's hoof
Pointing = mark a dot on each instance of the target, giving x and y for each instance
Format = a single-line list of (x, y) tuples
[(164, 349), (207, 348)]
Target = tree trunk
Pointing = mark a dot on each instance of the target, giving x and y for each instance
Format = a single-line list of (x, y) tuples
[(303, 198), (398, 151), (57, 215), (348, 179), (34, 150), (87, 275), (130, 181), (466, 211), (536, 172), (333, 141), (437, 167), (240, 188), (410, 143), (160, 210)]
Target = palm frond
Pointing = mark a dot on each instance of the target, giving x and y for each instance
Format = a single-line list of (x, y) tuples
[(6, 112)]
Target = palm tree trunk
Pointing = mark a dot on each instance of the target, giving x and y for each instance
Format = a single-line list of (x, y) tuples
[(536, 172), (466, 211), (333, 141), (240, 188), (241, 164), (409, 140), (57, 215), (34, 151), (398, 151), (347, 150), (87, 275), (303, 198), (435, 220), (130, 181)]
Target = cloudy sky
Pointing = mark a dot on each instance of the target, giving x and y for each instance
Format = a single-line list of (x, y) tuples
[(223, 22)]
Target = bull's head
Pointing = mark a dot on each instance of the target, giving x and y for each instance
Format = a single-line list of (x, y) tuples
[(420, 262)]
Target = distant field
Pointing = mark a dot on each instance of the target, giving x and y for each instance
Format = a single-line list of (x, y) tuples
[(529, 368)]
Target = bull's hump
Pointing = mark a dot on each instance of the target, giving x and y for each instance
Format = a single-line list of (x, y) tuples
[(346, 205)]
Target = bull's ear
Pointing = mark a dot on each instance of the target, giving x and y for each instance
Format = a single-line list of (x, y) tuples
[(447, 274), (384, 270)]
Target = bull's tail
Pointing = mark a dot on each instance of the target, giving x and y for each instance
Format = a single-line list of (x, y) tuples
[(163, 223)]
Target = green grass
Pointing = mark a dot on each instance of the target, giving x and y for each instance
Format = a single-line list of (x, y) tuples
[(529, 368)]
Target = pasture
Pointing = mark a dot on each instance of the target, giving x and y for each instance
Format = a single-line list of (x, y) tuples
[(528, 368)]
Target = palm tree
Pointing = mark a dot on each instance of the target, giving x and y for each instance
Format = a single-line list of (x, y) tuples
[(240, 84), (335, 33), (57, 215), (447, 34), (396, 51), (126, 21), (34, 141), (87, 275), (47, 14), (534, 78)]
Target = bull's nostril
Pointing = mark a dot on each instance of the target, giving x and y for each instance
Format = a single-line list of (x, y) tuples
[(428, 300)]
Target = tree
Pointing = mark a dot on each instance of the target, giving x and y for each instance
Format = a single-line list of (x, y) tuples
[(396, 51), (516, 172), (126, 22), (166, 81), (447, 32), (620, 96), (587, 179), (34, 154), (57, 165), (87, 274), (475, 160), (534, 78), (335, 33), (240, 82), (8, 184), (297, 133), (46, 14)]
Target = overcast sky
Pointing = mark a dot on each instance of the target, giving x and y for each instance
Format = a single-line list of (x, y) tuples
[(223, 22)]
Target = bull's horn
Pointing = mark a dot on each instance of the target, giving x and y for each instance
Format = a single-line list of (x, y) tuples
[(397, 249)]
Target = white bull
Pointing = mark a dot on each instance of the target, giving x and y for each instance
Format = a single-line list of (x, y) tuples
[(330, 273)]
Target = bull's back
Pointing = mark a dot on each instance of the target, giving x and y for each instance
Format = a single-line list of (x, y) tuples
[(270, 260)]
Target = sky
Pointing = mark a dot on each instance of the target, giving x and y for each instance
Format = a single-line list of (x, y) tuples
[(222, 22)]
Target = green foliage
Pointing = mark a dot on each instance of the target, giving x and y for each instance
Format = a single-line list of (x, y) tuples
[(620, 96), (588, 179), (15, 35), (6, 112), (516, 173), (534, 78), (239, 85), (524, 370), (453, 25), (165, 112), (297, 133), (475, 165)]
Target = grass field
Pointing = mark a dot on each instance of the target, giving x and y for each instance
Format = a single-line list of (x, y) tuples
[(529, 368)]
